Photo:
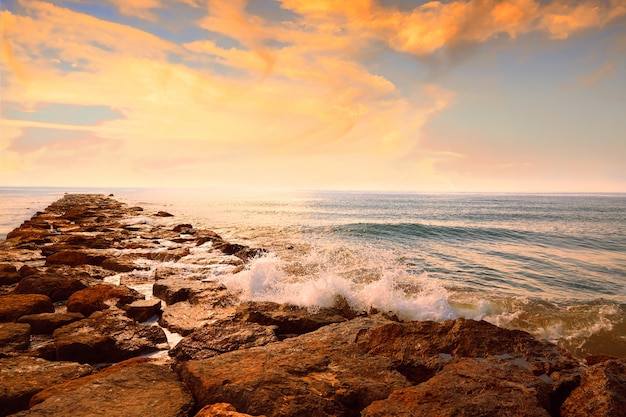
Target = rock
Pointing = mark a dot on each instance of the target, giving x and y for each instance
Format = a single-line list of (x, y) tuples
[(174, 290), (26, 271), (22, 377), (317, 374), (470, 387), (602, 391), (164, 214), (142, 310), (56, 287), (101, 297), (9, 274), (14, 306), (288, 318), (413, 342), (134, 388), (220, 410), (106, 336), (169, 255), (46, 323), (221, 337), (14, 338), (183, 228), (74, 258), (184, 317), (124, 263)]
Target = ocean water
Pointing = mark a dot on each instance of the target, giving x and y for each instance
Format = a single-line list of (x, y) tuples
[(553, 265)]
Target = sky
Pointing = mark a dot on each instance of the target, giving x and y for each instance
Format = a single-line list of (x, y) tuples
[(451, 96)]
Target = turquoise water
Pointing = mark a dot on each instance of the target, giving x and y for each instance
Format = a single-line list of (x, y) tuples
[(554, 265)]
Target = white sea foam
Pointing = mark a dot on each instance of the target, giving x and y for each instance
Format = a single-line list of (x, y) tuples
[(265, 279)]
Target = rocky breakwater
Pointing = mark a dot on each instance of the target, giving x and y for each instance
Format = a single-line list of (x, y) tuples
[(107, 309)]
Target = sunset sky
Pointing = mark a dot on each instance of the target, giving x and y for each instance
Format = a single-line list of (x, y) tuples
[(465, 95)]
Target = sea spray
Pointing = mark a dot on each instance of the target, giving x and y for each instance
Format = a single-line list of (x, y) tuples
[(265, 279)]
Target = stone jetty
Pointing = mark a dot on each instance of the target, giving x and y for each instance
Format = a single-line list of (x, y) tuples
[(107, 309)]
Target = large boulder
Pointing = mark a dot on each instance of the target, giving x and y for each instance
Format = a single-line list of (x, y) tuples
[(142, 310), (56, 287), (22, 377), (101, 297), (174, 290), (14, 339), (413, 343), (14, 306), (602, 392), (317, 374), (134, 388), (107, 336), (184, 317), (470, 387), (221, 337)]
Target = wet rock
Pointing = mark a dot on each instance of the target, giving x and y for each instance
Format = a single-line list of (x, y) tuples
[(56, 287), (134, 388), (470, 387), (317, 374), (220, 410), (106, 336), (46, 323), (101, 297), (27, 233), (142, 310), (14, 306), (412, 342), (164, 214), (602, 391), (74, 258), (9, 274), (14, 339), (22, 377), (221, 337), (289, 319)]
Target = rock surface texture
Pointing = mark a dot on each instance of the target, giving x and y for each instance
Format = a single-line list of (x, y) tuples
[(92, 289)]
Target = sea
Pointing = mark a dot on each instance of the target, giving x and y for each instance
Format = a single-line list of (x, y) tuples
[(553, 265)]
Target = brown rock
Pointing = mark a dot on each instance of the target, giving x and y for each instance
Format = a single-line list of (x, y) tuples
[(142, 310), (288, 318), (602, 392), (14, 306), (412, 342), (56, 287), (22, 377), (9, 274), (107, 336), (74, 258), (220, 410), (26, 271), (470, 387), (221, 337), (174, 290), (183, 228), (184, 317), (46, 323), (124, 263), (317, 374), (101, 297), (164, 214), (135, 388), (169, 255), (14, 338)]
